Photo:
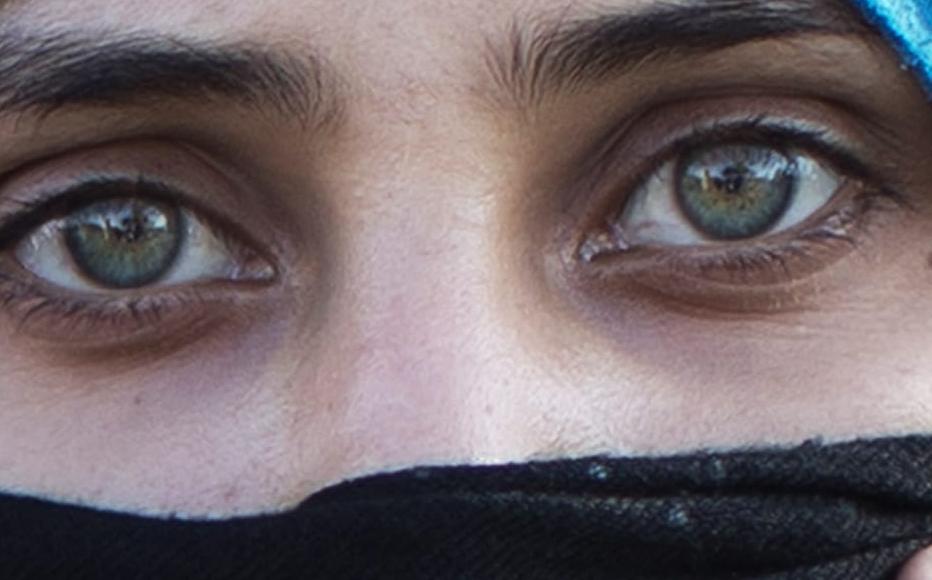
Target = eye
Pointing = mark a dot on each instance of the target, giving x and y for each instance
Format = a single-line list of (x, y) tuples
[(736, 215), (727, 193), (131, 242)]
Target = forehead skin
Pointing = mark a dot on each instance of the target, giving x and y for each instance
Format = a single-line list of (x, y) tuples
[(397, 43), (437, 341)]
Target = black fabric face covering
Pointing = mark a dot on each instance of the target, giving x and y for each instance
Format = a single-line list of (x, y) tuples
[(852, 511)]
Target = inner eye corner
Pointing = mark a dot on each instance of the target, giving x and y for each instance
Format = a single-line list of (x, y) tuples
[(606, 238)]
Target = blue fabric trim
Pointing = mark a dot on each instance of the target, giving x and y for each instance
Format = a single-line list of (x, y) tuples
[(908, 24)]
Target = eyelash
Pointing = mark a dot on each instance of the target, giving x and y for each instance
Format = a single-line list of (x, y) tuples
[(28, 304), (739, 262), (32, 303)]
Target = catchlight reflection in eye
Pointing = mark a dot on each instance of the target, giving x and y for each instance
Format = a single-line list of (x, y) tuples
[(130, 243), (125, 243), (726, 193)]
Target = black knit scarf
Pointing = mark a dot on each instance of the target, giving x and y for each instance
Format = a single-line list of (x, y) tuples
[(852, 511)]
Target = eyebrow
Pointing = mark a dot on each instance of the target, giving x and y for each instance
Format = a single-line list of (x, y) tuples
[(544, 57), (45, 74)]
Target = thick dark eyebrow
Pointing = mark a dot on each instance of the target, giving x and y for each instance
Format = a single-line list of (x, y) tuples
[(543, 57), (45, 74)]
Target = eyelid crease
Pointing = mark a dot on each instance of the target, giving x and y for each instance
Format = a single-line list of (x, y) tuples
[(57, 203)]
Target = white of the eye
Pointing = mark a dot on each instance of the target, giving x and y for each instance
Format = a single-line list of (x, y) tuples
[(653, 215), (202, 256)]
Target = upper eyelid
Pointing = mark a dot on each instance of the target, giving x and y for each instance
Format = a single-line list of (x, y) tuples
[(768, 125), (821, 142), (204, 251), (57, 203), (761, 130), (779, 135), (226, 195)]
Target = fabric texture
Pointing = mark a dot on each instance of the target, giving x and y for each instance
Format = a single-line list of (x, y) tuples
[(847, 511), (908, 24)]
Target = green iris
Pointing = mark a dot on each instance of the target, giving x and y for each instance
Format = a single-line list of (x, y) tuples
[(734, 192), (124, 243)]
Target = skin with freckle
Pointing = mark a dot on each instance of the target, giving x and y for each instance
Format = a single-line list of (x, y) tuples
[(430, 304)]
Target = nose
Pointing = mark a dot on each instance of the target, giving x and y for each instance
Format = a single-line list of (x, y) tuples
[(421, 364)]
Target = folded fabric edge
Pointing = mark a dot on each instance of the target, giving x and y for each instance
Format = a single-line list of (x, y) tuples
[(908, 25)]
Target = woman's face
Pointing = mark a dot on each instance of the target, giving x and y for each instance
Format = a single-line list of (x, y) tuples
[(369, 235)]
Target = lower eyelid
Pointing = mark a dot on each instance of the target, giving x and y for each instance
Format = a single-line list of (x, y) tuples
[(75, 320), (760, 276), (53, 313)]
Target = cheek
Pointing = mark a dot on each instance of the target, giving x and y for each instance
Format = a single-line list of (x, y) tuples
[(200, 434)]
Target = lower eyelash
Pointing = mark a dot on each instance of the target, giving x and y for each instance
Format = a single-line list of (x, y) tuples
[(751, 263), (41, 313), (763, 265), (786, 262)]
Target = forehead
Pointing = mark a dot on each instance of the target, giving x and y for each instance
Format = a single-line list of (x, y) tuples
[(353, 31), (323, 21)]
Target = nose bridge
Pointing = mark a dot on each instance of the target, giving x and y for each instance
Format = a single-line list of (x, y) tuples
[(415, 337), (420, 278), (413, 357), (421, 256)]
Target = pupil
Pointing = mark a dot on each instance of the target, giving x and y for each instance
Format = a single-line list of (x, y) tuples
[(129, 230), (731, 181), (124, 243), (732, 192)]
